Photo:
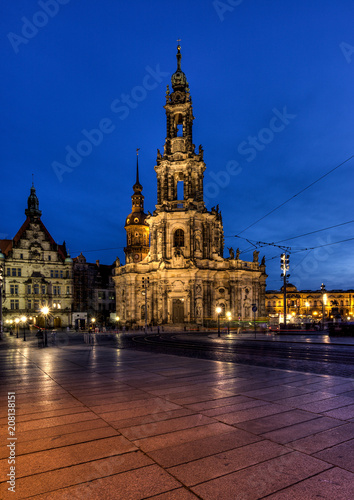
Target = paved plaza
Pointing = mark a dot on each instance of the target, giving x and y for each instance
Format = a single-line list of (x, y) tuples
[(95, 422)]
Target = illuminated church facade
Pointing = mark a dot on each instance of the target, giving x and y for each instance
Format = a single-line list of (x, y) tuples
[(175, 272)]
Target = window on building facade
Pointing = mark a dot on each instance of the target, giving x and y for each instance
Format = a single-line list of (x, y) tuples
[(18, 271), (51, 273), (68, 290), (43, 289), (14, 304), (21, 255), (14, 289), (179, 238), (28, 288), (36, 289), (29, 304), (56, 290), (36, 304), (49, 257), (8, 272)]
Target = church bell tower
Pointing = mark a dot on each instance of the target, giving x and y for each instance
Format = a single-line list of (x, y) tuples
[(179, 170), (135, 224)]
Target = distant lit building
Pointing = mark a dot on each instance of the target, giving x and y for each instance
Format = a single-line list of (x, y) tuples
[(311, 304), (37, 272), (181, 276), (94, 292)]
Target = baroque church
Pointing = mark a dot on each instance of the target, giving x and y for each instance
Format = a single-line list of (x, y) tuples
[(175, 272)]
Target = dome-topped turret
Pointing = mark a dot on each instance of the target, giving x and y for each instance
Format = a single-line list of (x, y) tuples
[(179, 79), (68, 259)]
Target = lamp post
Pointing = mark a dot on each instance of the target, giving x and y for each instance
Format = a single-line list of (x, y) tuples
[(307, 308), (218, 311), (23, 321), (17, 320), (228, 314), (45, 312), (117, 326)]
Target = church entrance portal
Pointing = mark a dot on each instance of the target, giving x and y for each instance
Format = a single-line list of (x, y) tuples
[(177, 311)]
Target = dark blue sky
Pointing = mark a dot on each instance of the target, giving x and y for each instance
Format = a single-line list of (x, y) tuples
[(272, 90)]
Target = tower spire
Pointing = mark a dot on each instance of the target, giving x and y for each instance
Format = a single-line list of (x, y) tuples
[(135, 224), (179, 55), (137, 165), (32, 211)]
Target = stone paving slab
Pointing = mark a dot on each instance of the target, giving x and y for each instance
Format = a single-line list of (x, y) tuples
[(96, 422), (334, 484)]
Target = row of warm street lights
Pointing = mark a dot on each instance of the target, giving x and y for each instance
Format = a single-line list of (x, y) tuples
[(24, 320)]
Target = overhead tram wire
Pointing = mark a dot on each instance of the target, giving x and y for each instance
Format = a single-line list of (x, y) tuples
[(297, 194), (287, 239), (316, 231), (261, 244)]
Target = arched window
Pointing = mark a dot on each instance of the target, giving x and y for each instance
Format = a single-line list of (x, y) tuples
[(179, 238)]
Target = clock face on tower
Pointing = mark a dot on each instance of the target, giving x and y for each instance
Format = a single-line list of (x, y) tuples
[(136, 256)]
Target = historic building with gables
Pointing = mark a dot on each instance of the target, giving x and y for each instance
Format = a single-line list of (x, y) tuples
[(174, 271), (37, 272)]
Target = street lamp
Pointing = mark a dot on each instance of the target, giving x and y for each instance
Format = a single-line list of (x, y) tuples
[(45, 312), (218, 311), (324, 302), (23, 321), (228, 314), (117, 320), (17, 320)]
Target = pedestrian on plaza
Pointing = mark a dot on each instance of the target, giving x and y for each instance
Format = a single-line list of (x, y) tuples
[(40, 338)]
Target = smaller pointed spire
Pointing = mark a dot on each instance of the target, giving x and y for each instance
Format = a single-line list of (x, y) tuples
[(137, 186), (137, 165)]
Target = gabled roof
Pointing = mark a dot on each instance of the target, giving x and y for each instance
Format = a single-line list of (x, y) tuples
[(7, 245)]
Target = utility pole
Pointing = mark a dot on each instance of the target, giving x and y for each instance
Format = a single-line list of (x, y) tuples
[(284, 266)]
